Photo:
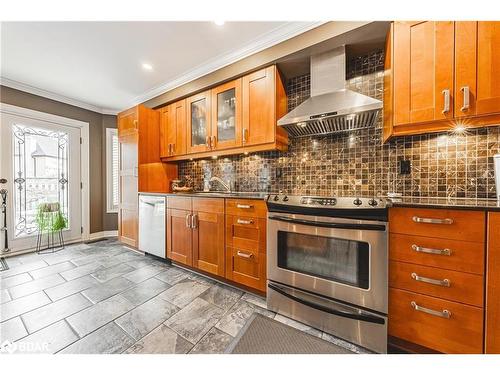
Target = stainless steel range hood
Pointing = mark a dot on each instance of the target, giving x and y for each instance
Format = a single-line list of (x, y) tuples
[(331, 108)]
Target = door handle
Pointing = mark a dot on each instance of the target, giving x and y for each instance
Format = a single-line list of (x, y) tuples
[(212, 142), (135, 172), (428, 280), (194, 221), (446, 106), (173, 148), (427, 220), (428, 250), (170, 149), (245, 135), (135, 124), (244, 255), (188, 221), (207, 141), (442, 314), (466, 92)]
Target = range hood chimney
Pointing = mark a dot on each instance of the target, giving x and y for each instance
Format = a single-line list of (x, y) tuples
[(331, 108)]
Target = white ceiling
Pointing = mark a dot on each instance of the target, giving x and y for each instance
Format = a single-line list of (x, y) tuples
[(97, 65)]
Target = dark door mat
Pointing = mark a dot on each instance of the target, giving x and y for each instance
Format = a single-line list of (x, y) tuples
[(3, 265), (263, 335)]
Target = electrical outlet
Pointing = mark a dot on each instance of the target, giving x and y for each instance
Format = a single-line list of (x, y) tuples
[(404, 167)]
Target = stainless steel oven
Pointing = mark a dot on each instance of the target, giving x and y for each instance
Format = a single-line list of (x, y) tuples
[(327, 265)]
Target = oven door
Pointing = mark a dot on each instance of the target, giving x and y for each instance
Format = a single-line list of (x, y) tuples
[(343, 259)]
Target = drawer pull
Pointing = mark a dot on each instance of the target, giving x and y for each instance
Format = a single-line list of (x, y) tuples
[(428, 280), (427, 220), (245, 206), (442, 314), (246, 222), (244, 255), (428, 250)]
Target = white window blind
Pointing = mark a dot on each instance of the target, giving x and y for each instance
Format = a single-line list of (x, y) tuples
[(112, 170)]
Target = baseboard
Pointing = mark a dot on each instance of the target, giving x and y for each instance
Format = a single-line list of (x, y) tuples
[(104, 234)]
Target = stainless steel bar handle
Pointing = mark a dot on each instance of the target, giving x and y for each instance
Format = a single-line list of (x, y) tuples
[(428, 250), (170, 149), (246, 222), (136, 124), (446, 107), (245, 135), (207, 141), (245, 206), (212, 141), (442, 314), (466, 92), (135, 172), (194, 221), (173, 148), (244, 255), (427, 220), (188, 221), (428, 280)]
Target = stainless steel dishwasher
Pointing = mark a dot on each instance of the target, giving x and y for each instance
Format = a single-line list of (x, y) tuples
[(152, 227)]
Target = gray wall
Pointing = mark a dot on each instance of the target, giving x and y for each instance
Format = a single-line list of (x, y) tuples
[(99, 219)]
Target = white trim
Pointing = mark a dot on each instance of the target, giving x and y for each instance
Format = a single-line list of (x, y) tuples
[(54, 96), (276, 36), (33, 249), (84, 157), (110, 132), (103, 234), (269, 39)]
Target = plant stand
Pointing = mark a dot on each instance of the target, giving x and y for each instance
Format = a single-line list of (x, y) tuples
[(48, 214)]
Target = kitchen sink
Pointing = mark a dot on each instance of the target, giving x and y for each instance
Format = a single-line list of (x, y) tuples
[(236, 194)]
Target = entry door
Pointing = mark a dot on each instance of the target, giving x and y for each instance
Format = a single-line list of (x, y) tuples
[(41, 161)]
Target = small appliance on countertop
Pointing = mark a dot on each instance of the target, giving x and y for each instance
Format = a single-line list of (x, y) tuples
[(327, 265)]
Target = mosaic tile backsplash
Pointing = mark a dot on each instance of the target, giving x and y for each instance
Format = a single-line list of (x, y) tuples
[(357, 163)]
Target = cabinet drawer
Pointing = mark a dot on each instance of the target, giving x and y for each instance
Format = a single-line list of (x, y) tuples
[(461, 256), (213, 205), (179, 203), (246, 232), (452, 224), (246, 207), (246, 267), (461, 332), (451, 285)]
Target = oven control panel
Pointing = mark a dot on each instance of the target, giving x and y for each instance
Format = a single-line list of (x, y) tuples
[(318, 201)]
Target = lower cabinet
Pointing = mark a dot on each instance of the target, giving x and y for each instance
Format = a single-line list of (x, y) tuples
[(223, 237), (492, 339), (246, 242)]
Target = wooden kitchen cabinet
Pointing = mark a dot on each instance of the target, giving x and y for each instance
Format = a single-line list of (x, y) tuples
[(423, 71), (208, 235), (246, 242), (140, 165), (195, 232), (199, 120), (226, 116), (440, 75), (173, 129), (436, 278), (492, 331)]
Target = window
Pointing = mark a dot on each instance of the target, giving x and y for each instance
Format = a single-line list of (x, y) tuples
[(112, 171)]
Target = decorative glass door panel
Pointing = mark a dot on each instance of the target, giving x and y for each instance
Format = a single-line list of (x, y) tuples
[(199, 123), (40, 174), (226, 113), (41, 161)]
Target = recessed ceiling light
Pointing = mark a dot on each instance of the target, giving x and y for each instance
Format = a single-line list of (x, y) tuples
[(219, 22), (147, 66)]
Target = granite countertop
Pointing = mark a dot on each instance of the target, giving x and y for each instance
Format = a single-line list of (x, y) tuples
[(215, 194), (448, 202)]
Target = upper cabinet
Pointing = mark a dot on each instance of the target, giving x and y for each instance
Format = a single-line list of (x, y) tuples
[(235, 117), (226, 115), (199, 123), (440, 74)]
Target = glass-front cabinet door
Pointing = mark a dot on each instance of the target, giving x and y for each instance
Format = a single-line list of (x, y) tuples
[(199, 120), (226, 116)]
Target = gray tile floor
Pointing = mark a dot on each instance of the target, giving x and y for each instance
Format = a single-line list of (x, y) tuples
[(105, 298)]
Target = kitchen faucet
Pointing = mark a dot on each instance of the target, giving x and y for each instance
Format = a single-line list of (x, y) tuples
[(225, 185)]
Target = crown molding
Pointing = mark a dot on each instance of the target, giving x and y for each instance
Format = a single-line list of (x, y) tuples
[(273, 37), (53, 96)]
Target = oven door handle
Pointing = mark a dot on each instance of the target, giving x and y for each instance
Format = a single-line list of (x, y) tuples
[(363, 317), (325, 224)]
